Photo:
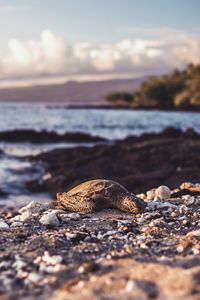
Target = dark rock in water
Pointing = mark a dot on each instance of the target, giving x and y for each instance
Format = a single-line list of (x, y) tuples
[(138, 164), (169, 132), (2, 193), (16, 136)]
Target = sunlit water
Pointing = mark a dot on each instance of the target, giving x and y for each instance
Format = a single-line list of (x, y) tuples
[(110, 124)]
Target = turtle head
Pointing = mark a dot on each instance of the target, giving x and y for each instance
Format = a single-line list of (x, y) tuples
[(133, 204)]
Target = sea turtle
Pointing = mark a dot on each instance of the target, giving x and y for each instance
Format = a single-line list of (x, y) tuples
[(98, 194)]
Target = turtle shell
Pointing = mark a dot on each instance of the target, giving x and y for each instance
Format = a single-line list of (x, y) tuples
[(94, 189)]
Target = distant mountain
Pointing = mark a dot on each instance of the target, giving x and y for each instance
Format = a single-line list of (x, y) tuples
[(70, 93)]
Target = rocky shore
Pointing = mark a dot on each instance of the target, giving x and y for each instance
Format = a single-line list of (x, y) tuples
[(42, 137), (138, 163), (52, 254)]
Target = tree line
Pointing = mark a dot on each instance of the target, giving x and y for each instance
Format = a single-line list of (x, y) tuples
[(178, 90)]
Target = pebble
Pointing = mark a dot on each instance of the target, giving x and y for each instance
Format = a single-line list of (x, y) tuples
[(33, 207), (21, 274), (142, 196), (131, 285), (194, 233), (49, 219), (16, 224), (186, 185), (154, 205), (74, 216), (186, 197), (163, 192), (4, 226), (19, 264), (191, 201), (5, 264), (156, 222), (67, 217), (70, 235), (16, 219), (151, 194), (51, 260), (180, 249), (55, 211), (25, 216), (46, 176), (196, 249), (183, 209), (35, 278)]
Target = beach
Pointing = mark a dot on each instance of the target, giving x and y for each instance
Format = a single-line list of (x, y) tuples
[(48, 253)]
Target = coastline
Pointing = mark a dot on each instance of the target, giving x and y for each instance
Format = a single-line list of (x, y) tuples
[(138, 163), (64, 104)]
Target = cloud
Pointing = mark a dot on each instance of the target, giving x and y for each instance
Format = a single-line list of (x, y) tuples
[(52, 55)]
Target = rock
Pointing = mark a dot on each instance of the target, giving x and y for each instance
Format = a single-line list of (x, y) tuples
[(194, 233), (186, 197), (183, 209), (4, 226), (51, 260), (25, 216), (55, 211), (46, 176), (156, 222), (163, 192), (5, 265), (186, 185), (154, 205), (16, 224), (49, 219), (19, 264), (74, 216), (33, 207), (69, 217), (35, 278), (151, 194), (131, 285), (21, 274), (196, 249), (141, 196), (70, 235), (191, 201), (16, 219)]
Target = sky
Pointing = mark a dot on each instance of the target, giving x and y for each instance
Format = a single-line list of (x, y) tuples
[(44, 41)]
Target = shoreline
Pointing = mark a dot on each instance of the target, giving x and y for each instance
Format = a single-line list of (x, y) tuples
[(138, 163), (63, 104)]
